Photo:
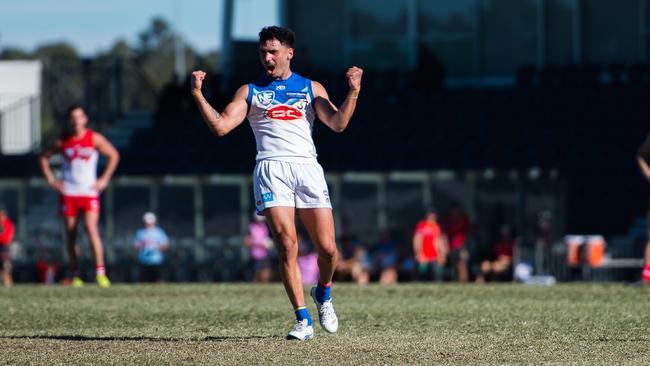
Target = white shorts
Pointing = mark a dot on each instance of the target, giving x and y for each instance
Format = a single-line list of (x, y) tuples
[(299, 185)]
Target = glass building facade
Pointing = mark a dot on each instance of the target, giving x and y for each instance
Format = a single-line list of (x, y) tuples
[(472, 39)]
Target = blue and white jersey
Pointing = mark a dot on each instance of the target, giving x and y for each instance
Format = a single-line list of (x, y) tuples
[(282, 118), (150, 241)]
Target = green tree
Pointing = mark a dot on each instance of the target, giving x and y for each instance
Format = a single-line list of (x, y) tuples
[(13, 53)]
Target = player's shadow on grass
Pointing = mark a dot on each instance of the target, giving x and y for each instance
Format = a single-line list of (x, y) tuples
[(81, 338)]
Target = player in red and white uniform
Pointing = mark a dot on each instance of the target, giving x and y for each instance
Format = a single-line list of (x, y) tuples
[(281, 107), (642, 156), (79, 188)]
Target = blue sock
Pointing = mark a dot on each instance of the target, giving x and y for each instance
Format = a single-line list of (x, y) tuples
[(303, 313), (323, 292)]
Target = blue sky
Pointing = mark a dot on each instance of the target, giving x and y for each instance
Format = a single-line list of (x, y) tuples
[(94, 25)]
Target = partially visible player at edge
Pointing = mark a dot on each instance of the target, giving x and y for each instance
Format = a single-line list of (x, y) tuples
[(642, 156), (79, 188), (281, 107)]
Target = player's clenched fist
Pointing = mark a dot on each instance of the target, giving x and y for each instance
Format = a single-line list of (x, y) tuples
[(197, 80), (354, 77)]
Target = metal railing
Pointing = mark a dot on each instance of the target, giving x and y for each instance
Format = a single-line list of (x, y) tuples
[(207, 216), (20, 125)]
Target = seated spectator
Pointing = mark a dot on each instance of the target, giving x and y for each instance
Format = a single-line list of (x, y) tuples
[(407, 264), (353, 263), (49, 270), (385, 258), (457, 226), (499, 266)]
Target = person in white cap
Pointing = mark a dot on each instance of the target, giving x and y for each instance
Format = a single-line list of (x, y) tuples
[(151, 242)]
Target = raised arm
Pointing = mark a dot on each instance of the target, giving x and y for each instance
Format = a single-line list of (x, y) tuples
[(107, 149), (642, 155), (231, 117), (338, 118), (44, 162)]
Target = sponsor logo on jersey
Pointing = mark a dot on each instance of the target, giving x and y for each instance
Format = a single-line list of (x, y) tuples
[(296, 95), (78, 152), (266, 97), (280, 87), (283, 112), (267, 197)]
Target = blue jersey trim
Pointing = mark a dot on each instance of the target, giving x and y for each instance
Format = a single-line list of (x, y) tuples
[(264, 82), (309, 88), (249, 98)]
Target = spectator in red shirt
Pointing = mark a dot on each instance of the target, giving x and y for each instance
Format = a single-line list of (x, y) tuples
[(429, 247), (457, 226), (499, 266), (6, 237)]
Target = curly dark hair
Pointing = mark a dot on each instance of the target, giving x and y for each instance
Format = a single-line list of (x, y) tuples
[(74, 106), (284, 35)]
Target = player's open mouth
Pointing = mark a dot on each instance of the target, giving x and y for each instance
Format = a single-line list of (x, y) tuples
[(270, 68)]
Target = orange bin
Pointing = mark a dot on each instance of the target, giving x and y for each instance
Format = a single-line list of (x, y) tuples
[(574, 244), (595, 251)]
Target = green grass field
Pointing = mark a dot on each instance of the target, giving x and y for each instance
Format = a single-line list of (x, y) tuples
[(404, 324)]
